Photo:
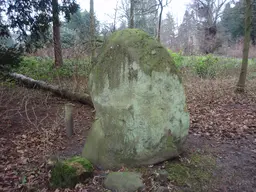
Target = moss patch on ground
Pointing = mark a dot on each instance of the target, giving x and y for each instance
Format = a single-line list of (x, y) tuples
[(194, 173), (67, 173)]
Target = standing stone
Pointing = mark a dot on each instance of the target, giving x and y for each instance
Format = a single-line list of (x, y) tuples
[(141, 114)]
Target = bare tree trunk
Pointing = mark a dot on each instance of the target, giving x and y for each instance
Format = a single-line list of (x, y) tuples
[(115, 16), (132, 2), (160, 20), (56, 34), (92, 30), (240, 87)]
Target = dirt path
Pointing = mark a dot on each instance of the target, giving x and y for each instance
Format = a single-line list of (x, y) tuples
[(32, 131), (236, 162)]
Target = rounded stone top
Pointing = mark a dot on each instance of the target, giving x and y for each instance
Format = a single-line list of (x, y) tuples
[(139, 47), (132, 47)]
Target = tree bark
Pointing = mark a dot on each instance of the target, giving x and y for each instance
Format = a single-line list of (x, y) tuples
[(240, 87), (160, 20), (210, 39), (92, 30), (132, 14), (60, 92), (56, 34)]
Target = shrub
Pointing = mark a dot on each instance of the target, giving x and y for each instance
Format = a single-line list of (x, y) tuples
[(36, 68), (10, 58), (177, 57), (43, 69), (205, 66)]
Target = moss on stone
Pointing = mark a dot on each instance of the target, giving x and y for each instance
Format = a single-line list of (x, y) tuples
[(194, 172), (82, 161), (139, 99), (131, 45), (69, 172)]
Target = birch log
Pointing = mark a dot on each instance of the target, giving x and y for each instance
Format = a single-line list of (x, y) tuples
[(56, 90)]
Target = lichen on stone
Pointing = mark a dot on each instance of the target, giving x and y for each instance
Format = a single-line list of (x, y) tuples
[(139, 101)]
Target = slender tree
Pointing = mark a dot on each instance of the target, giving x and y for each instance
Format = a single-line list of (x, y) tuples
[(92, 30), (160, 19), (248, 24), (161, 6), (132, 5), (56, 34)]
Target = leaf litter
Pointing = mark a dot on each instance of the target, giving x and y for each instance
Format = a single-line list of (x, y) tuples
[(32, 132)]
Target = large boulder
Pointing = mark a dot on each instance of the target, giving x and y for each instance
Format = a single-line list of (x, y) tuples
[(141, 114)]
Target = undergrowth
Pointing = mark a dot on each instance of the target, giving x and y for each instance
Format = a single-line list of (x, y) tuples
[(204, 66), (212, 66), (43, 68)]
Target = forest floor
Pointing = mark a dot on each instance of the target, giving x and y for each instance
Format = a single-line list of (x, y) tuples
[(32, 131)]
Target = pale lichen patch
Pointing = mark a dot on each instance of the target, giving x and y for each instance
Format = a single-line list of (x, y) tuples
[(139, 101)]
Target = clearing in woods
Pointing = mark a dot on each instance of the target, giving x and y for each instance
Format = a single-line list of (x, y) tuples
[(222, 126)]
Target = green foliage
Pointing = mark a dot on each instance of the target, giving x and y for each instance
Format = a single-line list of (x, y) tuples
[(69, 172), (32, 19), (178, 58), (10, 58), (43, 69), (205, 66), (233, 20), (68, 37), (77, 29), (10, 53), (37, 68), (210, 66)]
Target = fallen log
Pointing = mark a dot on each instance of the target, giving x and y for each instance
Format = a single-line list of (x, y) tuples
[(56, 90)]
